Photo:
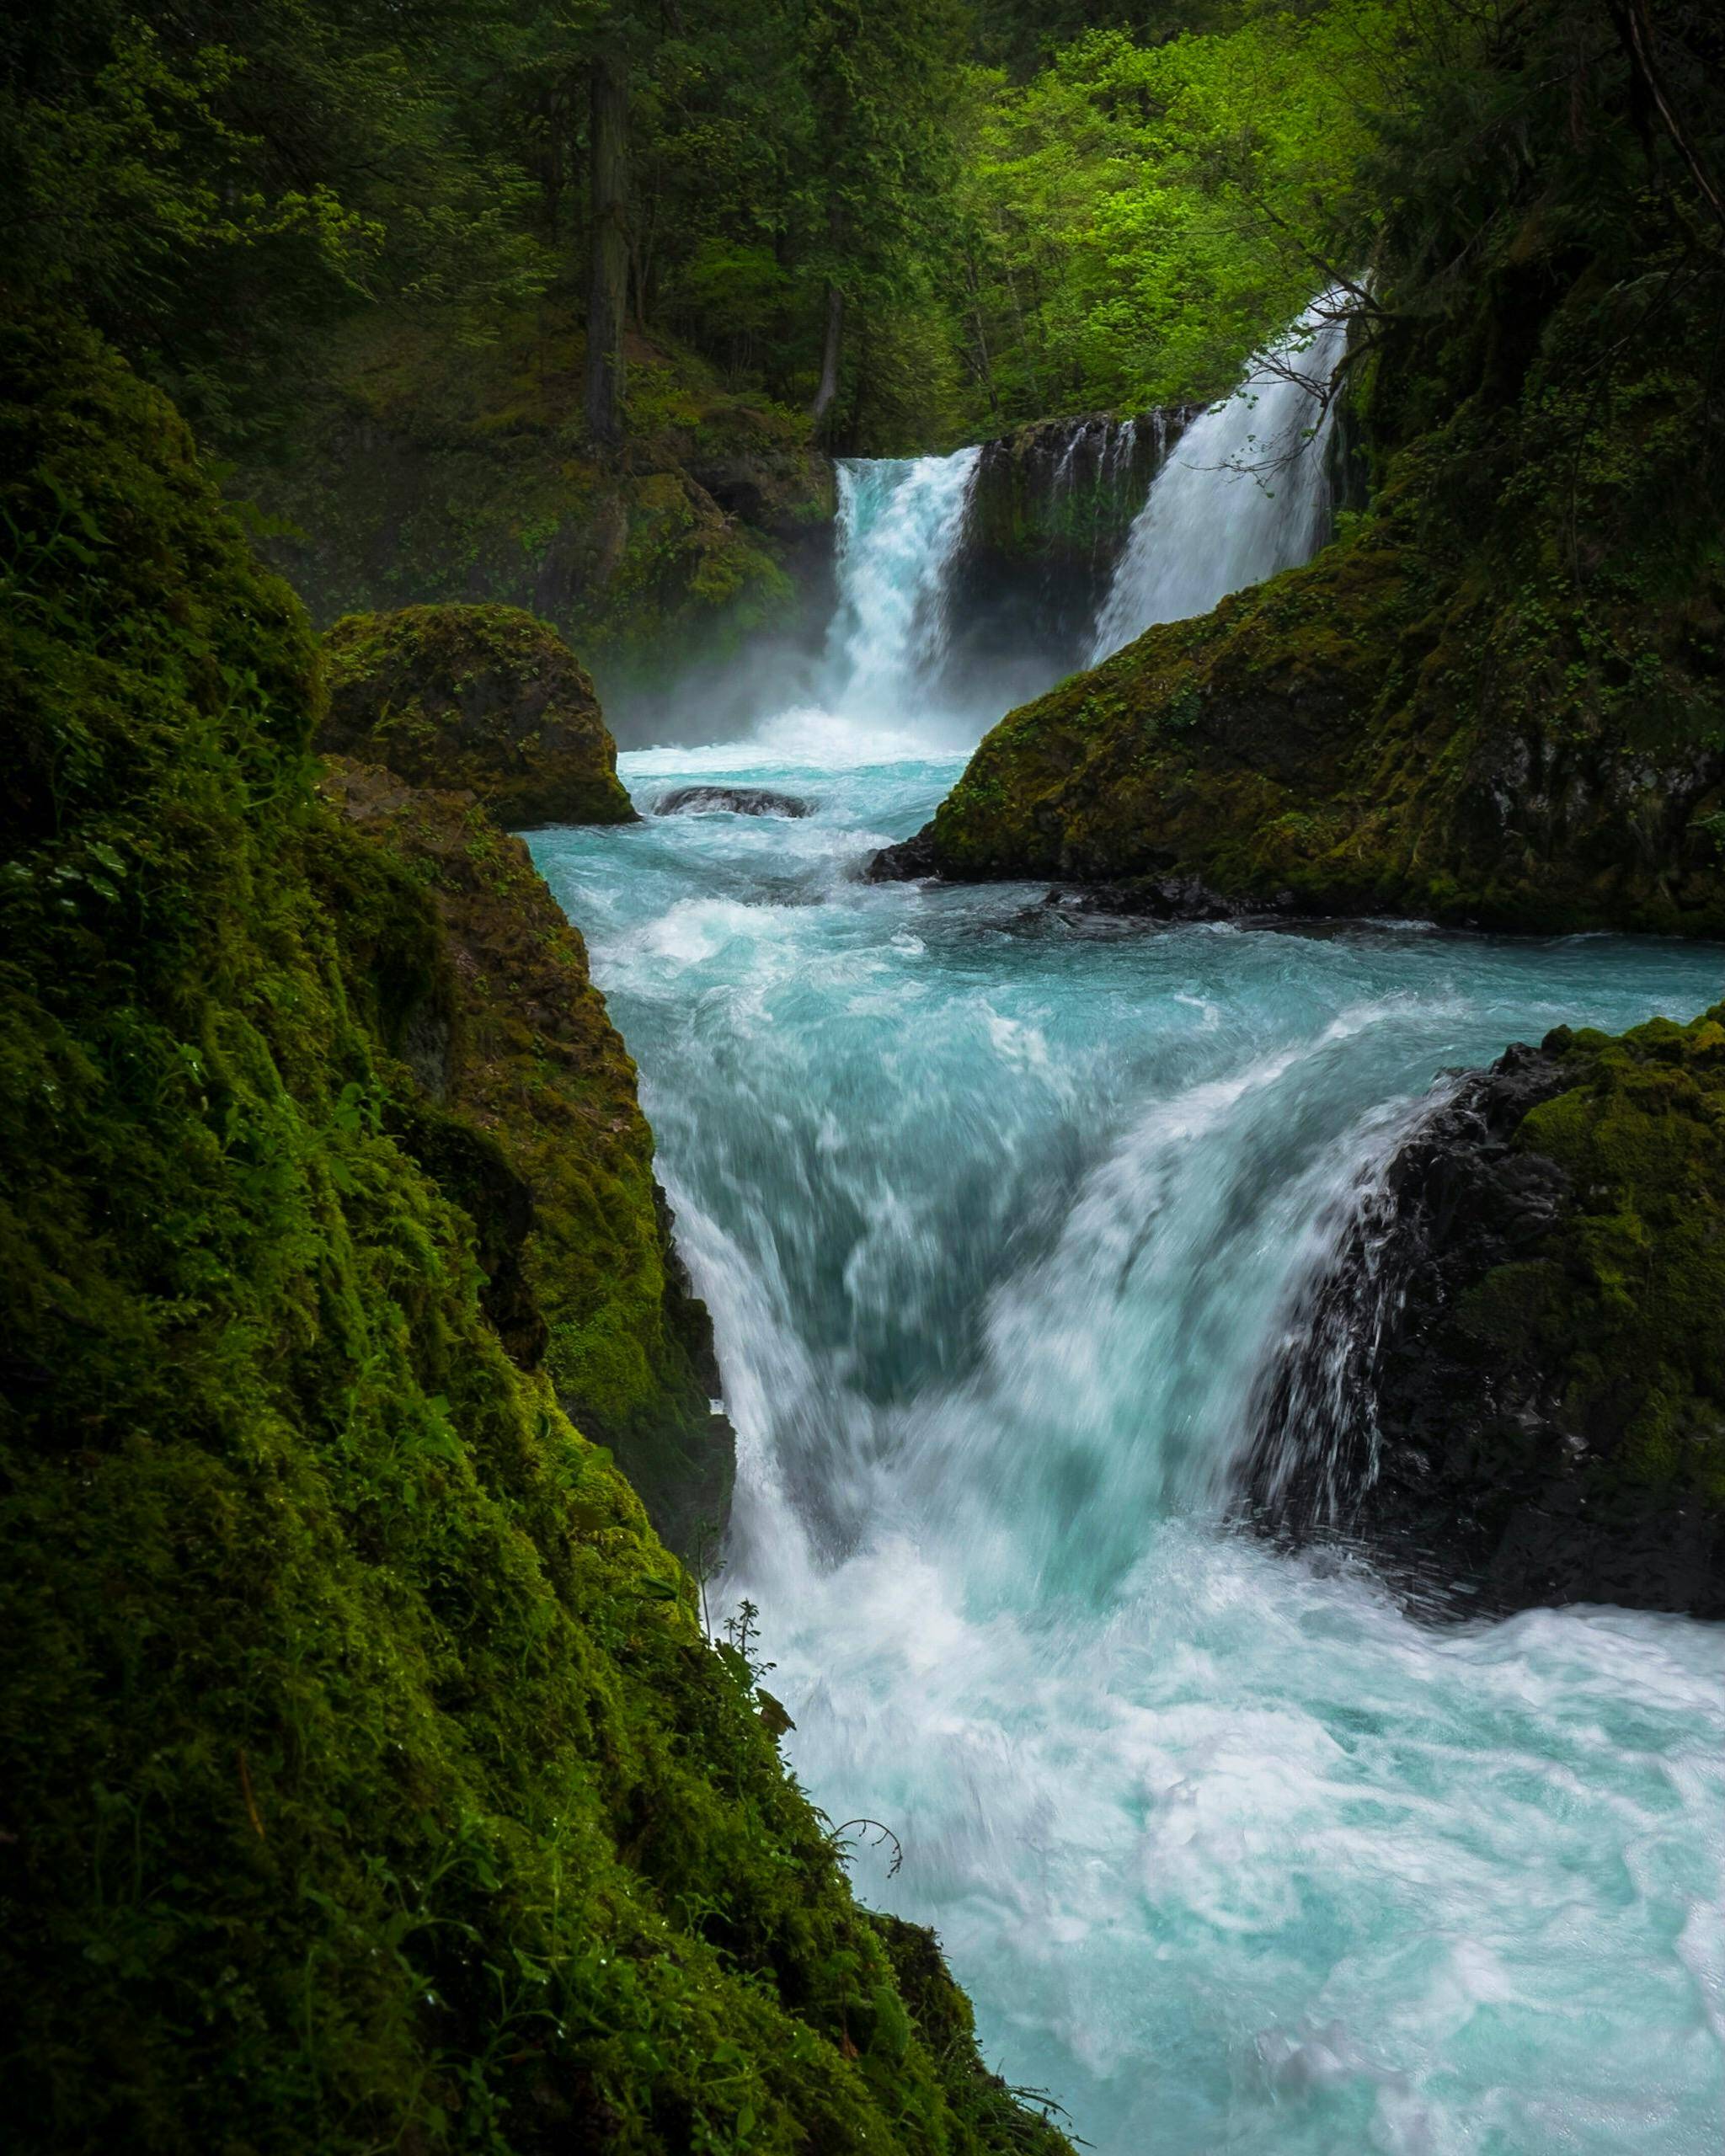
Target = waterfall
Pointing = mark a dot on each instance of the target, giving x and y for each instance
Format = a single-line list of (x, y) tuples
[(1246, 493), (900, 520), (1001, 1223)]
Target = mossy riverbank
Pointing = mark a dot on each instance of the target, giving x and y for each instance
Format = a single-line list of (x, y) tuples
[(371, 1783)]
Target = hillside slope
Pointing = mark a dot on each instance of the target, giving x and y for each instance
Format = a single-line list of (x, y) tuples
[(418, 473)]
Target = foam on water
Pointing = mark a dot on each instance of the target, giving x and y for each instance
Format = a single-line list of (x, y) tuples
[(998, 1213)]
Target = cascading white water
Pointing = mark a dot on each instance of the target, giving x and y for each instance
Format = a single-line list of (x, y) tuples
[(1244, 494), (901, 521), (1000, 1215)]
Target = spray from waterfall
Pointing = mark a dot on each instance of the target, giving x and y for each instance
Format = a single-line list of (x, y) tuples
[(1244, 494)]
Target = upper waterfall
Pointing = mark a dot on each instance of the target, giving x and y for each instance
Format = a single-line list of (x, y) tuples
[(1246, 493), (900, 520)]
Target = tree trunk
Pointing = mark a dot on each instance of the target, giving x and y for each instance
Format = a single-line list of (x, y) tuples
[(830, 353), (608, 284)]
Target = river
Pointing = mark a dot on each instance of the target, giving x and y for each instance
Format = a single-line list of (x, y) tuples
[(1000, 1209)]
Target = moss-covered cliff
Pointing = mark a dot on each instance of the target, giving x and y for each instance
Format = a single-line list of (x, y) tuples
[(369, 1781), (1513, 1373), (522, 1049), (419, 471), (481, 699), (1500, 697)]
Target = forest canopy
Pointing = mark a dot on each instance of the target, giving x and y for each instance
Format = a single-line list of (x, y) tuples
[(913, 223)]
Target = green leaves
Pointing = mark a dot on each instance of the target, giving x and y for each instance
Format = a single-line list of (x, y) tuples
[(1137, 217)]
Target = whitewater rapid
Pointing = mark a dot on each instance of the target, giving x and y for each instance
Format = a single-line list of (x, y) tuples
[(999, 1210)]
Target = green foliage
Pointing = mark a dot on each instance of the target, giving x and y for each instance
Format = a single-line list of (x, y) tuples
[(423, 470), (370, 1783), (1618, 1307), (214, 185), (1137, 218), (221, 187), (1497, 697)]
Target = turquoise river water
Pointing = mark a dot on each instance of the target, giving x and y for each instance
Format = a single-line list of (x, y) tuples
[(998, 1211)]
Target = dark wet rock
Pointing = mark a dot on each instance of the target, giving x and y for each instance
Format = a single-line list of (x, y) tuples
[(1510, 1378), (1049, 510), (905, 862), (1155, 898), (733, 800)]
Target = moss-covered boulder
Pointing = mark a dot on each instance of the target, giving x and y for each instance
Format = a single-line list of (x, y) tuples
[(527, 1053), (485, 699), (1499, 699), (370, 1783), (1512, 1374)]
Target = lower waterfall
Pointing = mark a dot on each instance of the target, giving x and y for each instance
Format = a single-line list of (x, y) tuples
[(1001, 1213)]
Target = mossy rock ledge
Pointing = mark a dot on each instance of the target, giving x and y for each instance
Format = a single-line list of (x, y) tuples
[(1511, 1377), (371, 1783), (488, 700), (513, 1038), (1327, 744)]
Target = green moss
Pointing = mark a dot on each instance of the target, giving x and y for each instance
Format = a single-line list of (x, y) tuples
[(486, 698), (1619, 1306), (526, 1052), (369, 1782)]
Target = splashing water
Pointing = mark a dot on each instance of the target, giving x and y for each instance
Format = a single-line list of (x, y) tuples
[(901, 522), (1245, 492), (999, 1213)]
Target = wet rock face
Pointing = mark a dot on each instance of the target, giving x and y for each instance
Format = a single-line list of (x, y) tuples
[(1050, 511), (1474, 1394), (484, 699), (907, 862), (732, 800)]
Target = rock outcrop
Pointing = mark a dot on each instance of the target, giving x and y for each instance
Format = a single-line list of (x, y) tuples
[(729, 800), (1049, 510), (521, 1047), (1510, 1378), (484, 699)]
